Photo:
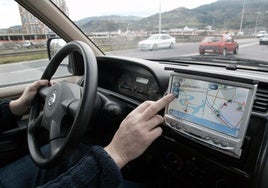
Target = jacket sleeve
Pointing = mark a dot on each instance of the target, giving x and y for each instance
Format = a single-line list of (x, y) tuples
[(96, 169), (7, 119)]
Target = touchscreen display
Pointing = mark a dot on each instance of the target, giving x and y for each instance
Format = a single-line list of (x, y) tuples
[(216, 106)]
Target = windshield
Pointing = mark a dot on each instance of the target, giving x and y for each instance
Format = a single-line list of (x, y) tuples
[(117, 27), (153, 37), (211, 39)]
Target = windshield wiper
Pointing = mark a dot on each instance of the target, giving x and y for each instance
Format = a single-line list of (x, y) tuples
[(230, 63)]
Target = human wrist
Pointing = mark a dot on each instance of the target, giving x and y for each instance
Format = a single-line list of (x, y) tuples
[(120, 160), (17, 108)]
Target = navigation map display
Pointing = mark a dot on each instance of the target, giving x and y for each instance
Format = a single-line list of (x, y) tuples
[(212, 109), (215, 106)]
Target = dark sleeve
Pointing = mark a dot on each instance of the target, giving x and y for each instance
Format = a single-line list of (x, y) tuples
[(97, 169), (7, 119)]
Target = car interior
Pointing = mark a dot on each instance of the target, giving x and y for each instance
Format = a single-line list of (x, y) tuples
[(102, 89)]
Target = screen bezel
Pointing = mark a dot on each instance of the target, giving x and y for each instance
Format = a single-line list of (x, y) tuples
[(235, 142)]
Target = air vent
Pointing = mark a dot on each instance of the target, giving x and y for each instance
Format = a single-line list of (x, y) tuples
[(261, 100)]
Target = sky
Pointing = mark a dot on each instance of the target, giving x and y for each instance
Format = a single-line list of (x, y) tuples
[(102, 7), (134, 7)]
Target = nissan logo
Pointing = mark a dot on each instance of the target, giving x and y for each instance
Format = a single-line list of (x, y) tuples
[(52, 99)]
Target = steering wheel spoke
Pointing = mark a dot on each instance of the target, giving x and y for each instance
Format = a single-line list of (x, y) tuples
[(55, 146), (43, 92), (35, 124), (71, 106), (57, 130)]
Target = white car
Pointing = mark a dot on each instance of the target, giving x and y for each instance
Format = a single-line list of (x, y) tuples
[(261, 34), (264, 39), (27, 44), (157, 41)]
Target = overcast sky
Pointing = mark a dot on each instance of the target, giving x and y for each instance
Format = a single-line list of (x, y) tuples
[(135, 7), (102, 7)]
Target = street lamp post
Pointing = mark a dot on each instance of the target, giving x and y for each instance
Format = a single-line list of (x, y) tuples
[(159, 27), (242, 16), (257, 20)]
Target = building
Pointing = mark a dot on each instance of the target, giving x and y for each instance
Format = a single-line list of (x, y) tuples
[(31, 25)]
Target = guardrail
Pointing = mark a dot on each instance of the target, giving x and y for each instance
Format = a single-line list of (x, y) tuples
[(23, 52)]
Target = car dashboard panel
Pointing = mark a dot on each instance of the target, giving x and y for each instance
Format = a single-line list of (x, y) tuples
[(133, 81), (194, 154)]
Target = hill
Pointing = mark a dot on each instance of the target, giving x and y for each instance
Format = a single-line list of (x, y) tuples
[(106, 23), (222, 14)]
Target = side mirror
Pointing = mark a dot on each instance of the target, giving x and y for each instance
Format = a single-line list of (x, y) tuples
[(74, 61), (53, 45)]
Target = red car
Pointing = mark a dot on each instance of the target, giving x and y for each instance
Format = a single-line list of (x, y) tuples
[(219, 44)]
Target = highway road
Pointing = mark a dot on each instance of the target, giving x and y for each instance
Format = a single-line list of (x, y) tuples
[(248, 48), (27, 71)]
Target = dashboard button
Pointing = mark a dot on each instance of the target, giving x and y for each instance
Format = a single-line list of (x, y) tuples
[(183, 128), (224, 144), (173, 124), (216, 141)]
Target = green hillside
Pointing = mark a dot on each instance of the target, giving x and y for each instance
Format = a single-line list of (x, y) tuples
[(223, 14)]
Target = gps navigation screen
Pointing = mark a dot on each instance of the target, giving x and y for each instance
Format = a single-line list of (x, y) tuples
[(216, 106)]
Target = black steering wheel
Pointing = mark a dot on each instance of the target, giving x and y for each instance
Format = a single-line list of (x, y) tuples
[(62, 103)]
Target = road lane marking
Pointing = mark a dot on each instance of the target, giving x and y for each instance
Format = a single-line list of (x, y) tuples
[(246, 45), (26, 70)]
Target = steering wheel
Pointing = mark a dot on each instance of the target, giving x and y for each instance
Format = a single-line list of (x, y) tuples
[(63, 102)]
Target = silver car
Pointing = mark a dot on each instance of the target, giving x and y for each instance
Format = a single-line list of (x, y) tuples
[(157, 41)]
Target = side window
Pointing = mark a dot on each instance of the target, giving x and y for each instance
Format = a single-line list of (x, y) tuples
[(229, 39), (23, 51)]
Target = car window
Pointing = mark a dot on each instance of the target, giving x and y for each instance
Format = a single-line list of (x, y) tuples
[(23, 50), (212, 39), (153, 37), (229, 39)]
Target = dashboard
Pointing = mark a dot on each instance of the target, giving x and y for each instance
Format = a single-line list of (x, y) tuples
[(135, 81), (190, 153)]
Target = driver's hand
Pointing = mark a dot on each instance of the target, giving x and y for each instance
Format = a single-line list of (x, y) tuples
[(22, 105), (137, 131)]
